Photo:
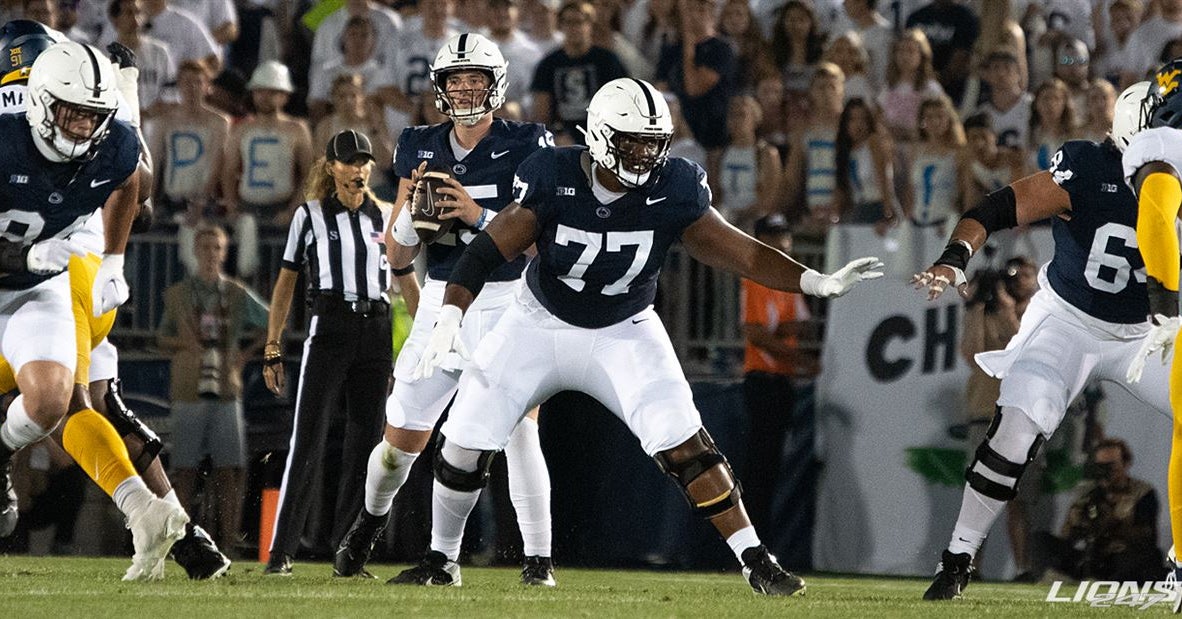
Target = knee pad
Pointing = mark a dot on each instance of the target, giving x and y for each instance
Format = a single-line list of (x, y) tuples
[(127, 423), (990, 472), (705, 457), (458, 478)]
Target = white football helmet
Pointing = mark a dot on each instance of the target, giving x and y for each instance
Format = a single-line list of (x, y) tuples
[(469, 52), (1130, 113), (629, 110), (69, 81)]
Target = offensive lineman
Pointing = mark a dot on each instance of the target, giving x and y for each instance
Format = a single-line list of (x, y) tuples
[(603, 218), (1085, 323)]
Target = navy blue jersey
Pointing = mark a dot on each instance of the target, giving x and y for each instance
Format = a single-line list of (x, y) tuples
[(597, 264), (1097, 266), (486, 173), (43, 199)]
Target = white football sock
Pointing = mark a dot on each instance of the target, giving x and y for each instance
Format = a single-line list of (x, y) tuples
[(742, 540), (131, 493), (19, 430), (387, 471), (529, 487), (449, 514)]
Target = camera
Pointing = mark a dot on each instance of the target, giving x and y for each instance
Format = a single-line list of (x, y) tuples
[(209, 385)]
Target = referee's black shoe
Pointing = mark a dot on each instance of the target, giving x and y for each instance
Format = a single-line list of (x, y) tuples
[(538, 571), (357, 545), (198, 555), (765, 575), (952, 576), (278, 565), (435, 569)]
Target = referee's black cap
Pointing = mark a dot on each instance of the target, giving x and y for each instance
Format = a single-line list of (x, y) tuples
[(347, 145)]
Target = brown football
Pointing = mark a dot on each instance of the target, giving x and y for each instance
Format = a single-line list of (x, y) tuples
[(425, 209)]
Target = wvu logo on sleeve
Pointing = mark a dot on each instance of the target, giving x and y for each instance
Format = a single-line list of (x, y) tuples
[(1167, 81)]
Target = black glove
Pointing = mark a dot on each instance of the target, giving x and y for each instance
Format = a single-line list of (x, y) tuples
[(121, 54)]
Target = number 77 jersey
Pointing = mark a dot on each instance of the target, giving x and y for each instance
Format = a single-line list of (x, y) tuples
[(598, 262), (1097, 266)]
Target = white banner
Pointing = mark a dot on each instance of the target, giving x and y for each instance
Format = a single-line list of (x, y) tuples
[(892, 384)]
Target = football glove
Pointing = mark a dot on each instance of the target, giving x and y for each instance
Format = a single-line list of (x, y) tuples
[(126, 79), (52, 256), (110, 288), (444, 339), (1160, 337), (829, 286)]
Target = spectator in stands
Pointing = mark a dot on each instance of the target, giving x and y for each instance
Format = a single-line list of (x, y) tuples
[(951, 30), (683, 144), (769, 92), (187, 38), (566, 78), (797, 44), (1153, 34), (67, 21), (809, 176), (44, 11), (266, 159), (409, 62), (846, 51), (750, 168), (541, 24), (984, 165), (775, 365), (1072, 66), (187, 145), (207, 317), (1119, 63), (351, 110), (220, 17), (326, 42), (1052, 122), (752, 55), (156, 65), (1008, 105), (930, 194), (876, 33), (1100, 110), (659, 28), (358, 45), (865, 187), (1111, 529), (700, 70), (228, 94), (910, 79), (605, 30), (520, 52)]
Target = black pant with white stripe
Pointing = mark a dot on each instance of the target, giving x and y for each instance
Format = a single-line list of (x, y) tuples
[(347, 360)]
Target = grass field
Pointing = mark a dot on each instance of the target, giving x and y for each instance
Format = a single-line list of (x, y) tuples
[(82, 587)]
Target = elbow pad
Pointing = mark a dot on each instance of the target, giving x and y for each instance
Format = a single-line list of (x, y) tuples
[(477, 262), (997, 211)]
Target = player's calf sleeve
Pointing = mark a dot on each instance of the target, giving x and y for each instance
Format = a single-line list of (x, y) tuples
[(387, 471), (460, 474), (529, 487), (1174, 470), (95, 445), (19, 429)]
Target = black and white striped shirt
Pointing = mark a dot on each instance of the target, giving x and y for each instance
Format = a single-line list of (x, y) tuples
[(344, 250)]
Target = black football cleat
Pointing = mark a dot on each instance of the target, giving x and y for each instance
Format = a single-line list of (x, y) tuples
[(198, 555), (434, 570), (9, 512), (538, 571), (357, 545), (952, 576), (278, 565), (766, 577)]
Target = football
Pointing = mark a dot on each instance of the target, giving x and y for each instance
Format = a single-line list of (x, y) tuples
[(425, 209)]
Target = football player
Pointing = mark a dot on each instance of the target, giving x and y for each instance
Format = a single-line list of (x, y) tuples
[(72, 124), (1085, 323), (480, 152), (21, 41), (602, 217), (1151, 167)]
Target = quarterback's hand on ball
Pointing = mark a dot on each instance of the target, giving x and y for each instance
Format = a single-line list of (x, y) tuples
[(52, 256), (1160, 337), (110, 288), (445, 337), (938, 277), (834, 285), (459, 203)]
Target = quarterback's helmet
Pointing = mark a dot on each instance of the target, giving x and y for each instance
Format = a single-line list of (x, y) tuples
[(1165, 98), (469, 52), (21, 41), (71, 100), (629, 129), (1130, 113)]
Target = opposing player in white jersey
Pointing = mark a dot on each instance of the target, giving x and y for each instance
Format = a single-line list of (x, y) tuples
[(1085, 323), (96, 408), (482, 153), (603, 218)]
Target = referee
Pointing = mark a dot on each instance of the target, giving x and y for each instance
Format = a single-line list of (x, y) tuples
[(338, 235)]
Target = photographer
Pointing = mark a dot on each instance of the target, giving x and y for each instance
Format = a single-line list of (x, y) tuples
[(206, 317), (1111, 529), (996, 303)]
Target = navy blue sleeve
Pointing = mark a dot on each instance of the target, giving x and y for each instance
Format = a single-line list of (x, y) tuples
[(533, 185), (127, 150), (404, 149), (1071, 167), (716, 55), (703, 197)]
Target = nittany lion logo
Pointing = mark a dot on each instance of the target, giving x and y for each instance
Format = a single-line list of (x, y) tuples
[(1167, 81)]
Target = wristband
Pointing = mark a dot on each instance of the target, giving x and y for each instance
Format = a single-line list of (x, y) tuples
[(406, 270), (956, 254), (481, 221)]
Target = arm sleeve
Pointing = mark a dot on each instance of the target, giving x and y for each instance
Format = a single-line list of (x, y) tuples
[(1157, 215), (297, 235)]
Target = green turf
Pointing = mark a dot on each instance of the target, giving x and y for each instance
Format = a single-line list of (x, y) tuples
[(82, 587)]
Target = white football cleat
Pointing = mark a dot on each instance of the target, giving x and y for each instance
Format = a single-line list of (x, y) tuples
[(155, 526)]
